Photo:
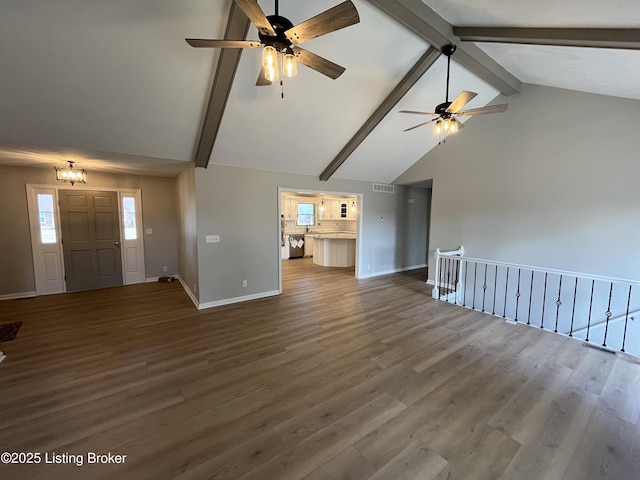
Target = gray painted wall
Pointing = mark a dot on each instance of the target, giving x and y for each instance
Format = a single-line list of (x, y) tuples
[(241, 205), (188, 228), (159, 212), (553, 182)]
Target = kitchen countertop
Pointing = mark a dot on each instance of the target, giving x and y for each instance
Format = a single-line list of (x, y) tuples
[(346, 236)]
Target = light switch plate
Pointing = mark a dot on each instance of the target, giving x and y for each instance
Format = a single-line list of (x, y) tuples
[(148, 231), (213, 239)]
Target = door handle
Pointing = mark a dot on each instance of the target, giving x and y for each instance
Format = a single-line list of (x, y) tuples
[(116, 244)]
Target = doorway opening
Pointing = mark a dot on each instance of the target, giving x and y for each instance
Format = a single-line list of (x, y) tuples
[(318, 229)]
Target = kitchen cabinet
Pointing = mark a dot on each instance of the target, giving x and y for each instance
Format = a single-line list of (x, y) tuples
[(339, 209), (289, 209), (308, 246)]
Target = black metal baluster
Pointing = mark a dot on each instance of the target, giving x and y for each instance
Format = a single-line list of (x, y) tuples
[(626, 320), (457, 264), (530, 299), (544, 299), (573, 310), (506, 287), (441, 276), (593, 284), (452, 288), (517, 296), (452, 265), (558, 303), (484, 286), (475, 280), (608, 314), (495, 288), (466, 275), (447, 276)]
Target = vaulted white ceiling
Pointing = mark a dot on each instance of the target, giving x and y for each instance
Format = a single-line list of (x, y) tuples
[(114, 86)]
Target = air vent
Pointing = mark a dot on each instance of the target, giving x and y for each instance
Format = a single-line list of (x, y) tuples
[(381, 187)]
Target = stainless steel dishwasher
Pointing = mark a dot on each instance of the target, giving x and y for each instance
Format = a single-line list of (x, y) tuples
[(296, 246)]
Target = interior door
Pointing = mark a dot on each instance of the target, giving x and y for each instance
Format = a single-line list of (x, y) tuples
[(90, 239)]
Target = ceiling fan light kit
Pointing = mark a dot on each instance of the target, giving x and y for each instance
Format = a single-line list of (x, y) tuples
[(280, 39), (446, 114)]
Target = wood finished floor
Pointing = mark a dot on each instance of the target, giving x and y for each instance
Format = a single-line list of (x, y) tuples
[(337, 378)]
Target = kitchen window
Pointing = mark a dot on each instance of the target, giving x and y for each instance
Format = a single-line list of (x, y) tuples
[(306, 215)]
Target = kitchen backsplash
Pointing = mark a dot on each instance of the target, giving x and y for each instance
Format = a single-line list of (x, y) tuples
[(324, 226)]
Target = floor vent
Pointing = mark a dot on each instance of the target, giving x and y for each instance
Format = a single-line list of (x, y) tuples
[(381, 187)]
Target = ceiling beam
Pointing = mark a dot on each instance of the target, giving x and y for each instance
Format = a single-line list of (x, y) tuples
[(619, 38), (237, 28), (409, 80), (428, 25)]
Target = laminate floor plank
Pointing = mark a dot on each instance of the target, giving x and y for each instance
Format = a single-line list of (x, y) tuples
[(337, 378)]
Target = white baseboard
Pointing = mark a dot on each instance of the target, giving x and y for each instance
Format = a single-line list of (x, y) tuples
[(229, 301), (15, 296), (151, 280), (192, 295), (395, 270)]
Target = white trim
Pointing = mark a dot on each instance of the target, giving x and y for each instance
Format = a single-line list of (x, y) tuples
[(360, 216), (395, 270), (2, 357), (16, 296), (40, 250), (191, 295), (34, 189), (138, 243), (229, 301), (151, 279)]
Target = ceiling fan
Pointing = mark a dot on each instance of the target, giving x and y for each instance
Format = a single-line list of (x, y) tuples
[(446, 114), (279, 37)]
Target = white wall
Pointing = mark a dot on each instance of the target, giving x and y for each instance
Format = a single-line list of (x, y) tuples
[(241, 205), (553, 182), (187, 225)]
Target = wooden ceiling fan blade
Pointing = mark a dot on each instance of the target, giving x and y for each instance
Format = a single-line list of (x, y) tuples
[(484, 110), (205, 43), (419, 125), (253, 11), (418, 113), (336, 18), (262, 80), (318, 63), (460, 101)]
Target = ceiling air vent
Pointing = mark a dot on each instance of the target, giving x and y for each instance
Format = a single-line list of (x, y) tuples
[(381, 187)]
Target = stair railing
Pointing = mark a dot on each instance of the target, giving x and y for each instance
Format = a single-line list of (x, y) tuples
[(599, 310)]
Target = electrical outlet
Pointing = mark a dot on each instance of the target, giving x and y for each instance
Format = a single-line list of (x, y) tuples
[(244, 283), (164, 269)]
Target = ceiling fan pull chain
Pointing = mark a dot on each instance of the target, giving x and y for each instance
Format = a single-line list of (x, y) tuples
[(281, 89)]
